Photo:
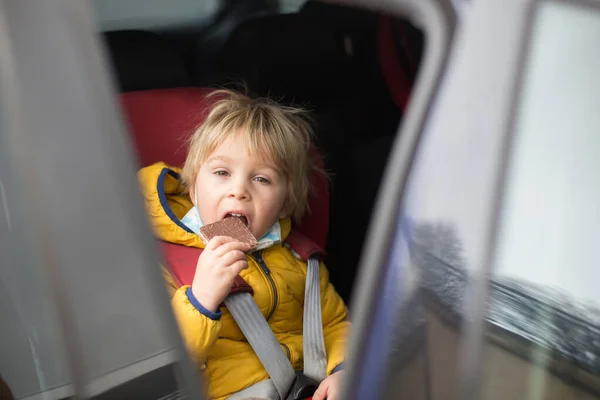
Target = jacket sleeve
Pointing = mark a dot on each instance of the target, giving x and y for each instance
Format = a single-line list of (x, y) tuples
[(199, 328), (336, 325)]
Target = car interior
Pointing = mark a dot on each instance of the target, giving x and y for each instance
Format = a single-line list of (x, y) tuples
[(352, 69), (463, 287)]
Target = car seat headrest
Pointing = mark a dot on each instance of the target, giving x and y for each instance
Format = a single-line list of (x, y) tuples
[(288, 59)]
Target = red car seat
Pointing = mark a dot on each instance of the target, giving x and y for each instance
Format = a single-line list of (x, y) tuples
[(161, 121)]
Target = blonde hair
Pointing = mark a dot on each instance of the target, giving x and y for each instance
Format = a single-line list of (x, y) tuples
[(278, 134)]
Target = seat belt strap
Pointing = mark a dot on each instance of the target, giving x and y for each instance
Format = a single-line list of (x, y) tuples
[(315, 356), (257, 331)]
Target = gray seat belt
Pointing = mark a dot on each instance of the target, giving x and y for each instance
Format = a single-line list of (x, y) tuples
[(253, 324), (315, 356), (257, 331)]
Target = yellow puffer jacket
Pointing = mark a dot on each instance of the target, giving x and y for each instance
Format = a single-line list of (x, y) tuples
[(218, 347)]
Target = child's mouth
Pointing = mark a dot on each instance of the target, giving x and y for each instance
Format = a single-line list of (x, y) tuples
[(242, 217)]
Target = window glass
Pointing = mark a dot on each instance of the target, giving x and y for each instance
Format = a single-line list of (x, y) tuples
[(552, 215), (440, 237), (545, 301), (152, 14), (291, 6)]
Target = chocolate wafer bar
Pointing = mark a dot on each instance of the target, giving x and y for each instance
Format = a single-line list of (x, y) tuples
[(232, 227)]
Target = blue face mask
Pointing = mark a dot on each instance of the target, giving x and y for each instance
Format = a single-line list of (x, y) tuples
[(193, 221)]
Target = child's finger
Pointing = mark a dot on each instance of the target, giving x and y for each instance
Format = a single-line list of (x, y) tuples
[(218, 241), (231, 246), (233, 256), (238, 267), (321, 392)]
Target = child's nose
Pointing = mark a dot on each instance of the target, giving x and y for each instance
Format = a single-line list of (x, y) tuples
[(239, 190)]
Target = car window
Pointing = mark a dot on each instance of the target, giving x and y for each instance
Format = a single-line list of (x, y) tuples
[(530, 329), (152, 14), (551, 217), (290, 6), (544, 292), (541, 337)]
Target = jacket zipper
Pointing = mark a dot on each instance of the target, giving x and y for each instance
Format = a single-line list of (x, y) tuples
[(267, 272)]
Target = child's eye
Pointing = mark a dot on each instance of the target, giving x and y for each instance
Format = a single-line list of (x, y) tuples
[(221, 173), (262, 179)]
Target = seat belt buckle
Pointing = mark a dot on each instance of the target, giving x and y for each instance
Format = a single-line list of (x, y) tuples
[(302, 388)]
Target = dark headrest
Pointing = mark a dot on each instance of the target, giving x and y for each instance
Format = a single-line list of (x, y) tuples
[(144, 60), (285, 57)]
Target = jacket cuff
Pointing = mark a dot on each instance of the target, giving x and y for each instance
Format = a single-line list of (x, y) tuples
[(215, 316), (339, 367)]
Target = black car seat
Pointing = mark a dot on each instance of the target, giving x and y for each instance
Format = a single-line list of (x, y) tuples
[(289, 60), (209, 41), (282, 56), (295, 62), (387, 54), (144, 60), (327, 57), (352, 208), (315, 60)]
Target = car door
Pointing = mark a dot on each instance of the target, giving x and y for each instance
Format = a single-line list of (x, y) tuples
[(480, 273), (83, 308)]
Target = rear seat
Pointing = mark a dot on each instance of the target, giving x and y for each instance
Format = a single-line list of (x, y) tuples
[(351, 210), (331, 58), (295, 63), (306, 60), (160, 120), (296, 60), (283, 56), (399, 48)]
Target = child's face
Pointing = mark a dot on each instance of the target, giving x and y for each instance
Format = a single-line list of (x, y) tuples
[(231, 181)]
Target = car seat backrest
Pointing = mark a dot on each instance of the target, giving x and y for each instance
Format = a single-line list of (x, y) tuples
[(161, 121), (144, 60)]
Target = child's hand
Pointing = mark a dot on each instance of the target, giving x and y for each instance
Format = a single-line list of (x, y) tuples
[(330, 388), (218, 265)]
